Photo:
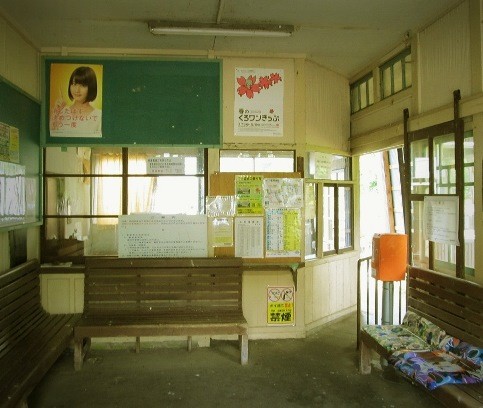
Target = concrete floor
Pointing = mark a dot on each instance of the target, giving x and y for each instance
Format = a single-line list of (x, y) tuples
[(319, 371)]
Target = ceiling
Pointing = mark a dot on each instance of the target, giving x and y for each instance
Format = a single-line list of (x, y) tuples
[(342, 35)]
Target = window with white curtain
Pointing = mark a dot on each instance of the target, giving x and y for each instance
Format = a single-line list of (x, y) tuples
[(87, 189)]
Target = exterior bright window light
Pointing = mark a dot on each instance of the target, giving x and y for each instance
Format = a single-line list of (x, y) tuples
[(222, 29)]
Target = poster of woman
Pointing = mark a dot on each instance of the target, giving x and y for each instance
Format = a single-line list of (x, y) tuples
[(75, 108)]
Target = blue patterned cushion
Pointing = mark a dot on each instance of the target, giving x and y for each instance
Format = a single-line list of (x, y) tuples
[(462, 349), (395, 337), (435, 368)]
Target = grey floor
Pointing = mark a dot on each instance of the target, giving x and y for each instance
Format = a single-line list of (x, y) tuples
[(318, 371)]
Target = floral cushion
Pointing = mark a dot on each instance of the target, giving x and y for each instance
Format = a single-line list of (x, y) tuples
[(430, 332), (435, 368), (462, 349), (395, 337), (411, 321)]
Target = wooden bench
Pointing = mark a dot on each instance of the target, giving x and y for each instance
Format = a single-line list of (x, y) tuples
[(161, 297), (31, 339), (453, 304)]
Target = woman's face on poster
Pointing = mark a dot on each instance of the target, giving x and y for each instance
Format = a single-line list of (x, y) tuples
[(79, 92)]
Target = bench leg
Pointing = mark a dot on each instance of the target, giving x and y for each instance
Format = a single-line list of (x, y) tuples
[(138, 344), (189, 343), (81, 347), (243, 340), (364, 358)]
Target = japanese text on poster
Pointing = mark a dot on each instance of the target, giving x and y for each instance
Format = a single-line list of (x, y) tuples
[(156, 235), (249, 195), (323, 165), (441, 219), (283, 232), (258, 108), (9, 143), (249, 237), (280, 305), (166, 165), (283, 192), (75, 108), (222, 232)]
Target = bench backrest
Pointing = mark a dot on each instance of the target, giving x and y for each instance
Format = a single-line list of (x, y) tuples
[(19, 303), (454, 304), (156, 286)]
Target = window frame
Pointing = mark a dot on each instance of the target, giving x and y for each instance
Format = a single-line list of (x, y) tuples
[(401, 57), (124, 175), (368, 93), (320, 221)]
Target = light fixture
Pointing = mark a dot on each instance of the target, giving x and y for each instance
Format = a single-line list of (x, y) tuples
[(221, 29)]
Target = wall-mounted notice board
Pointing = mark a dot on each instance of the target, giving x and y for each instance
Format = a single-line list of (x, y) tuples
[(21, 169), (267, 216), (146, 102)]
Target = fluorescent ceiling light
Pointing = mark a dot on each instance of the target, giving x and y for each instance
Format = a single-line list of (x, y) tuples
[(222, 29)]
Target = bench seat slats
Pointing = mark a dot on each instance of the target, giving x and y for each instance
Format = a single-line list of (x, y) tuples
[(161, 296), (453, 304), (31, 340), (191, 263)]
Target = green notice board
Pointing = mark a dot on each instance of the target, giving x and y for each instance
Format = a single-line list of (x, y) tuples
[(22, 112), (162, 102)]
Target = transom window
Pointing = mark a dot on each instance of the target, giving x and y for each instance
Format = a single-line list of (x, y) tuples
[(396, 74), (362, 93), (257, 161)]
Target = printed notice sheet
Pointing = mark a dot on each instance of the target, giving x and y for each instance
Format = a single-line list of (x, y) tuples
[(222, 231), (162, 236), (249, 195), (441, 219), (283, 192), (283, 232), (280, 305), (249, 237), (258, 102)]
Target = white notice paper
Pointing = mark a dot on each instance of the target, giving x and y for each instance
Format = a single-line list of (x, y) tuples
[(162, 236), (249, 237), (441, 219)]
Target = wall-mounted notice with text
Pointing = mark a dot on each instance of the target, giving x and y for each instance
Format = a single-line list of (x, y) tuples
[(162, 236)]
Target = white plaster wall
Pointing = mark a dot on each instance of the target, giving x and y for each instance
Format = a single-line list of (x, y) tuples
[(327, 108), (19, 60), (444, 59)]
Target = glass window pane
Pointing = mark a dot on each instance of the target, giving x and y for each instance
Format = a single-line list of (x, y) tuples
[(363, 92), (328, 240), (106, 196), (67, 196), (469, 205), (172, 195), (408, 77), (398, 78), (419, 167), (257, 161), (370, 87), (444, 164), (310, 220), (386, 83), (345, 219), (186, 161), (326, 166), (419, 246), (355, 99)]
